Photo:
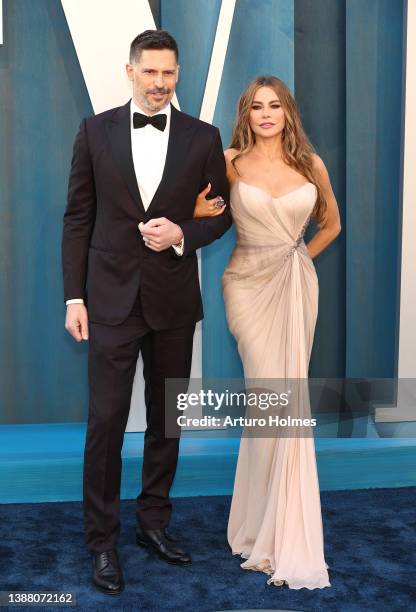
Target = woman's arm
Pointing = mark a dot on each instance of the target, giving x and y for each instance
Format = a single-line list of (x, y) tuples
[(332, 227), (212, 208), (199, 232)]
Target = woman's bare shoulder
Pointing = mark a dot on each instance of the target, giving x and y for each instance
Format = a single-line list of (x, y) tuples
[(318, 165), (229, 154)]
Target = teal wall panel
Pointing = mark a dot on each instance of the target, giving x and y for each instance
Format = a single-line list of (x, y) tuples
[(374, 34), (42, 100), (320, 92), (193, 25)]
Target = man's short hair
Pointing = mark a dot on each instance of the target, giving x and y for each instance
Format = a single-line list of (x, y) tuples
[(152, 39)]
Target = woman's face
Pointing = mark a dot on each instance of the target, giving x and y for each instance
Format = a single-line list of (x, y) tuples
[(267, 118)]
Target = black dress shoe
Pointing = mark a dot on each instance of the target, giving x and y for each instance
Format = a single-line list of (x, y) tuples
[(162, 543), (107, 576), (168, 535)]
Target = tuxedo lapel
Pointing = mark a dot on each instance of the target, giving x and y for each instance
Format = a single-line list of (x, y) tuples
[(180, 135), (119, 135)]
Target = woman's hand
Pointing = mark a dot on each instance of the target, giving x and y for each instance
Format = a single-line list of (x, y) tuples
[(208, 208)]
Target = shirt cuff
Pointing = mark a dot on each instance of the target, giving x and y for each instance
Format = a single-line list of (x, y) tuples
[(178, 248), (75, 301)]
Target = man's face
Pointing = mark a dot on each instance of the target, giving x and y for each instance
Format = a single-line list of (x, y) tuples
[(154, 78)]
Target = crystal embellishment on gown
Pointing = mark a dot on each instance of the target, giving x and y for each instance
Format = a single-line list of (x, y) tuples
[(298, 240), (271, 297)]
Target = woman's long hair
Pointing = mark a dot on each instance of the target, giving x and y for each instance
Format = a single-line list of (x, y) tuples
[(297, 150)]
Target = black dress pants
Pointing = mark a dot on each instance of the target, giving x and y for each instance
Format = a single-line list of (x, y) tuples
[(112, 357)]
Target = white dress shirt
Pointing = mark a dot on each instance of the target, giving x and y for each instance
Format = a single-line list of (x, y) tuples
[(149, 147)]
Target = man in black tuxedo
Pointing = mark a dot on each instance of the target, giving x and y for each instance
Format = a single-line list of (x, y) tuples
[(131, 284)]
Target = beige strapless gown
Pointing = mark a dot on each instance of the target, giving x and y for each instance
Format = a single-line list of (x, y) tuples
[(271, 297)]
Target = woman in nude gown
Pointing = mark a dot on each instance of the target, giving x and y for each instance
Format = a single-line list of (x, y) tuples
[(270, 290)]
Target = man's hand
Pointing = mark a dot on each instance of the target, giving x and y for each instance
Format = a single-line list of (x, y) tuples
[(77, 321), (160, 234)]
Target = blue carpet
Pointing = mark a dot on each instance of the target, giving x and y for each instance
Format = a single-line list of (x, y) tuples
[(369, 545)]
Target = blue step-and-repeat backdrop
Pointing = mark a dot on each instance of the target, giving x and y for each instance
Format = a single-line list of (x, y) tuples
[(344, 62)]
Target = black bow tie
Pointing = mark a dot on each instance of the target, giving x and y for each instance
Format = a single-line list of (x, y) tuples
[(158, 121)]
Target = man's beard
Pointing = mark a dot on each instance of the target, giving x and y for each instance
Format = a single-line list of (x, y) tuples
[(146, 102)]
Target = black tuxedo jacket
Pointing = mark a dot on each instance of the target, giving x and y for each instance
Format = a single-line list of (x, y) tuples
[(103, 255)]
